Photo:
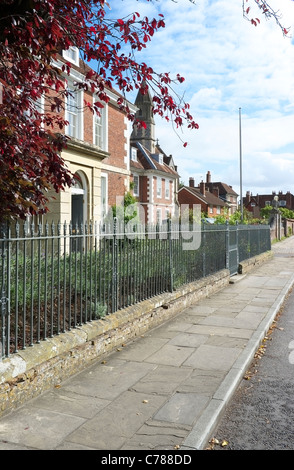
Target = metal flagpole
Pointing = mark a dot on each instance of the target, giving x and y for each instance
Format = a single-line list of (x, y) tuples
[(240, 141)]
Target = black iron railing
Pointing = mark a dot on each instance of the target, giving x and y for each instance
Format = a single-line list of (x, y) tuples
[(54, 278)]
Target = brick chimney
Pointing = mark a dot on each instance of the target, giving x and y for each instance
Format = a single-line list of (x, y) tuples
[(215, 191), (202, 188), (191, 182), (208, 177)]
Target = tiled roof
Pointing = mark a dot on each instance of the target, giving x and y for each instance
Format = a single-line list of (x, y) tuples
[(223, 187), (146, 161), (208, 198)]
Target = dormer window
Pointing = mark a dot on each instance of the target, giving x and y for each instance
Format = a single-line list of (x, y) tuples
[(160, 159), (133, 154), (72, 55)]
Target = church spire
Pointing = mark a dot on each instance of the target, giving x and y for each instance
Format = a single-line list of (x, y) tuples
[(145, 136)]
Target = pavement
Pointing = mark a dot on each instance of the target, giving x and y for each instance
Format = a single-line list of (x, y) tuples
[(166, 390)]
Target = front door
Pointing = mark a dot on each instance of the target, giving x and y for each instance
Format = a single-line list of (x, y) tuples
[(77, 214), (77, 209)]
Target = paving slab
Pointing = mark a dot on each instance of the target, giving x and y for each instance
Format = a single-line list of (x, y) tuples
[(37, 428), (124, 416), (164, 380), (157, 435), (182, 408), (213, 357), (108, 381), (171, 355)]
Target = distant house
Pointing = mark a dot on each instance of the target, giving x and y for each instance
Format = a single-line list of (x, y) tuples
[(154, 174), (210, 203), (255, 203), (223, 191), (214, 197)]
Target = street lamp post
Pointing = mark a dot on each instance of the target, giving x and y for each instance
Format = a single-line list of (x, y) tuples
[(240, 144)]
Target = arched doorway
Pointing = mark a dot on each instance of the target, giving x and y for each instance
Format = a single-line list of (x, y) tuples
[(78, 200), (78, 210)]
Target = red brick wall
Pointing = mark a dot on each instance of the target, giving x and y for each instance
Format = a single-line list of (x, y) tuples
[(88, 120), (116, 187), (187, 198), (116, 138), (143, 187)]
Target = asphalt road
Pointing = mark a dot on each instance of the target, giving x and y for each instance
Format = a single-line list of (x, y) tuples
[(260, 415)]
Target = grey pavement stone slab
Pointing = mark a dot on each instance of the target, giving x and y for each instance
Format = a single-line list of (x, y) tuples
[(38, 429), (143, 347), (163, 380), (253, 318), (170, 355), (67, 402), (262, 302), (188, 339), (182, 408), (225, 312), (202, 310), (267, 294), (221, 331), (178, 325), (244, 320), (73, 446), (162, 331), (276, 282), (226, 342), (233, 306), (118, 422), (249, 291), (157, 436), (171, 328), (108, 381), (215, 302), (7, 446), (189, 319), (204, 382), (255, 308), (213, 357), (255, 281), (202, 429)]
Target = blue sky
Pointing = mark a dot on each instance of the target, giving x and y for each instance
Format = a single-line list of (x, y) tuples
[(227, 64)]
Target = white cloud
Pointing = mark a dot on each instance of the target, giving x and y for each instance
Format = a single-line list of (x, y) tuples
[(228, 64)]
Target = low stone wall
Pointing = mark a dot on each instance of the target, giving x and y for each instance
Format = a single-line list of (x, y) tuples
[(28, 373), (248, 264)]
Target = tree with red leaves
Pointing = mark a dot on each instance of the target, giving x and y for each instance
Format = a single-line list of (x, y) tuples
[(32, 34), (267, 11)]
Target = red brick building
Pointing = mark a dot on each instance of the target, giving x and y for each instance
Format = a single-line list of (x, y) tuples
[(224, 191), (97, 152), (214, 197), (154, 174), (210, 202), (255, 203)]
